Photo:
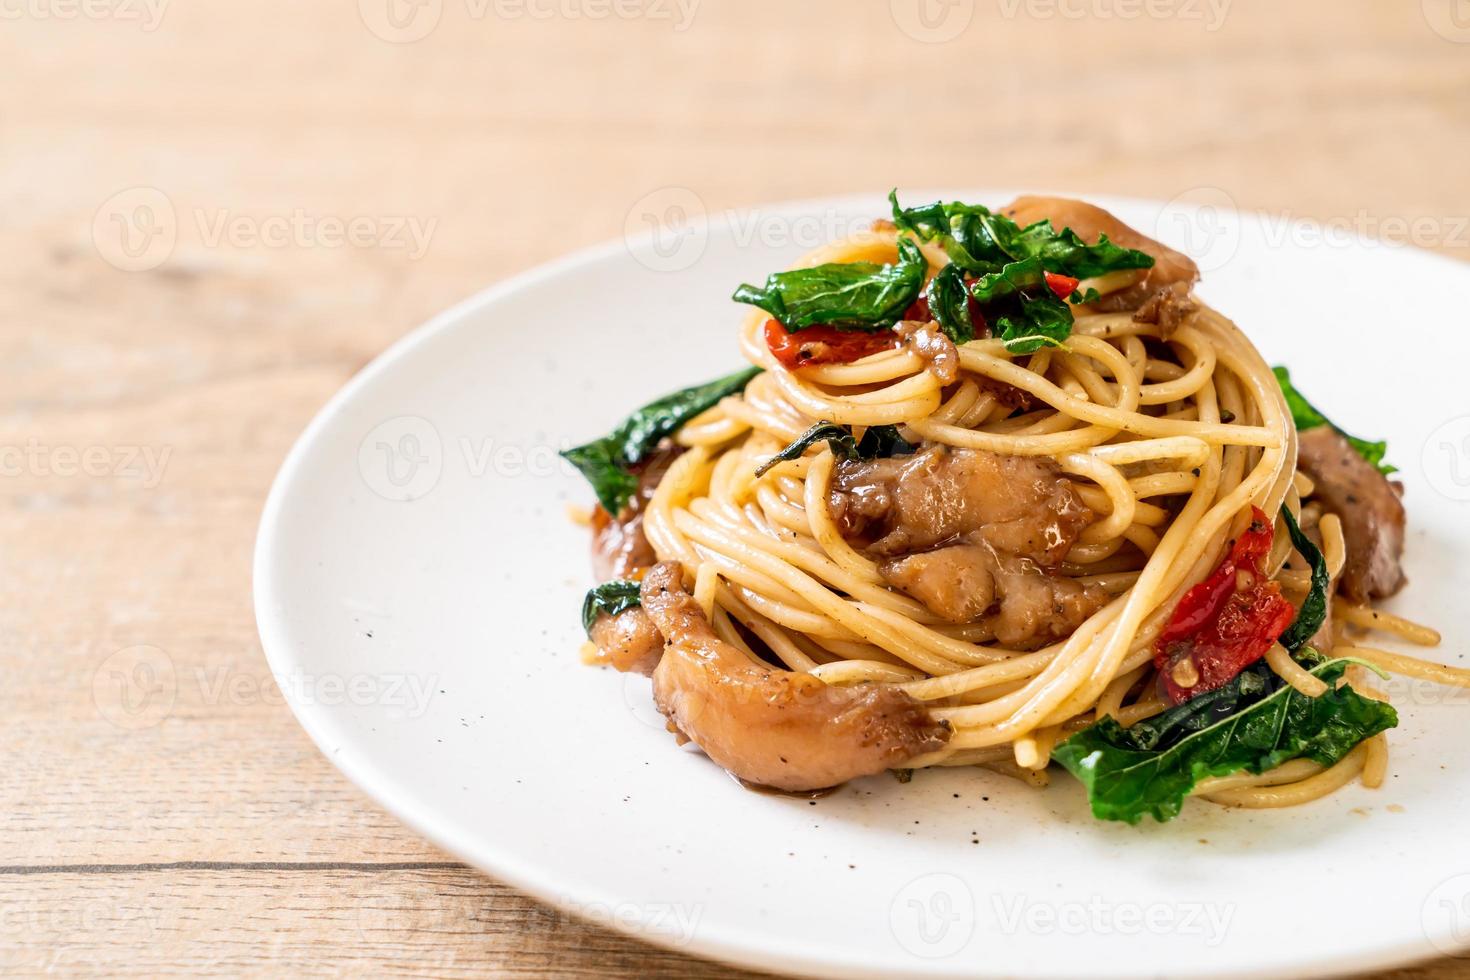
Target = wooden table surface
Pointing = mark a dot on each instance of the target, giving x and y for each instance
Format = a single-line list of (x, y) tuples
[(177, 182)]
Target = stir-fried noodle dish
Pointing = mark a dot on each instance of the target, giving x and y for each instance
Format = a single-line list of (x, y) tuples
[(998, 489)]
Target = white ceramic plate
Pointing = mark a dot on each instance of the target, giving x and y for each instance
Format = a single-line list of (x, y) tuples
[(418, 585)]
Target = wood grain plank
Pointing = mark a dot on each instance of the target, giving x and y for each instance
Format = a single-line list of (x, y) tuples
[(442, 921), (510, 141)]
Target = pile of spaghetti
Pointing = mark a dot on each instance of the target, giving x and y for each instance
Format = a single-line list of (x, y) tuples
[(999, 490)]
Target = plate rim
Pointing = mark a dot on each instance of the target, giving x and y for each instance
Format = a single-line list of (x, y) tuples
[(731, 946)]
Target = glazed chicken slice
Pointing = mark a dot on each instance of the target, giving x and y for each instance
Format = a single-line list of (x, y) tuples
[(1170, 269), (975, 536), (1019, 504), (772, 727), (1368, 504), (628, 642), (963, 581)]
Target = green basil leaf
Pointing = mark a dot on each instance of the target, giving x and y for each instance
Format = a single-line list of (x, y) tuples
[(879, 441), (1313, 613), (1065, 252), (607, 462), (1012, 279), (967, 232), (848, 295), (612, 598), (949, 304), (838, 437), (980, 241), (602, 463), (1306, 416), (1253, 724), (884, 442), (1022, 309)]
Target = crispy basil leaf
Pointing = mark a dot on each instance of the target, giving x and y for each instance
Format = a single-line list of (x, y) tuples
[(848, 295), (1254, 723), (1306, 416), (607, 462), (1313, 613), (1066, 253), (1012, 279), (949, 304), (965, 231), (1022, 309), (612, 598), (1043, 321), (879, 441), (601, 462), (883, 442), (980, 241)]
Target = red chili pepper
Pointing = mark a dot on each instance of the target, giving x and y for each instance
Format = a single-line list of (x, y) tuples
[(1225, 623), (1063, 286), (919, 310), (825, 345)]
